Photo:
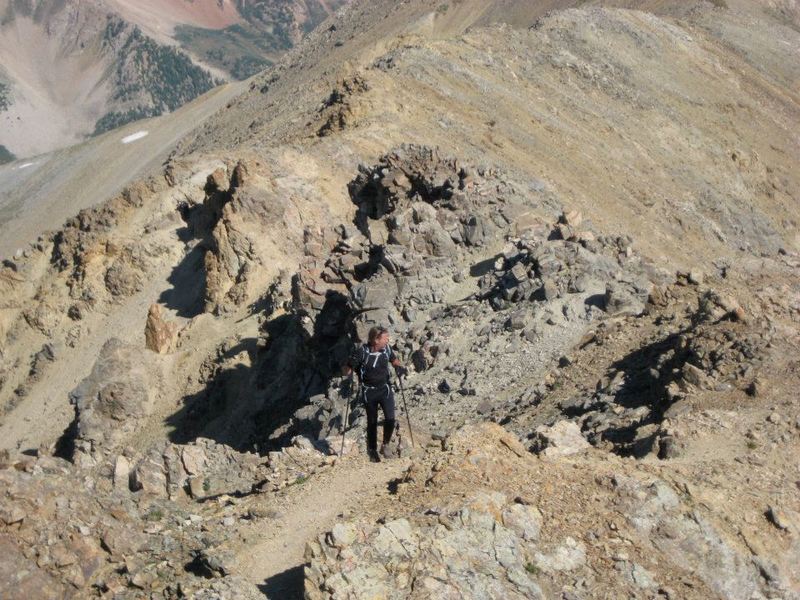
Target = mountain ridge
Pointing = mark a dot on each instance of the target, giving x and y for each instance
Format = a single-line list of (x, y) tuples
[(579, 226)]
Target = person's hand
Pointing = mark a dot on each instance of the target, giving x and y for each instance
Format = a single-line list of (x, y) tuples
[(401, 371)]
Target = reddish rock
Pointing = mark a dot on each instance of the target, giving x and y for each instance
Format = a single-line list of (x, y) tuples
[(159, 334)]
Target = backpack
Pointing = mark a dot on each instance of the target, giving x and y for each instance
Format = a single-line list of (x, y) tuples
[(372, 367)]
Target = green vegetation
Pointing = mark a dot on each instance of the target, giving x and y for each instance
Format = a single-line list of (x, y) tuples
[(238, 50), (153, 78), (114, 119), (31, 9), (6, 156), (5, 96), (270, 29), (276, 21), (532, 569), (300, 480), (247, 66), (114, 28), (167, 75), (154, 515)]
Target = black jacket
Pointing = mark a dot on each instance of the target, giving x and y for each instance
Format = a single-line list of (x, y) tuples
[(372, 368)]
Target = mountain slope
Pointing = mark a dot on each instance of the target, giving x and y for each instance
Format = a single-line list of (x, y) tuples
[(41, 193), (578, 221), (73, 69)]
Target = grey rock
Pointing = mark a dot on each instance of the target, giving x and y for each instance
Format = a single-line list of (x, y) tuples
[(517, 321), (482, 549), (484, 407), (122, 473), (571, 555), (112, 401), (619, 299), (688, 540)]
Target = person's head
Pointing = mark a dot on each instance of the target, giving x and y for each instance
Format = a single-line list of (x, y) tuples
[(378, 337)]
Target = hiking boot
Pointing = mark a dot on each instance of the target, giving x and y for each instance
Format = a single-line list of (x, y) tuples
[(386, 451), (374, 456)]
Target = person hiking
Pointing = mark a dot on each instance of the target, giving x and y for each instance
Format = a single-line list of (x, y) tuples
[(371, 362)]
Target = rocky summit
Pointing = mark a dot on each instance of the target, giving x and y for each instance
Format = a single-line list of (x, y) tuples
[(577, 222)]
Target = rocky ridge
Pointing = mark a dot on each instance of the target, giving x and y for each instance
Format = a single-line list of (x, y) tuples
[(557, 275), (623, 529), (75, 69), (199, 319)]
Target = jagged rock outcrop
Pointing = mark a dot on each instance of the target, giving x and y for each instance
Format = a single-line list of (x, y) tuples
[(64, 537), (637, 406), (418, 215), (544, 264), (159, 334), (242, 202)]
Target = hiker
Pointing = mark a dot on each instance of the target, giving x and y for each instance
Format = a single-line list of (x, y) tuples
[(371, 362)]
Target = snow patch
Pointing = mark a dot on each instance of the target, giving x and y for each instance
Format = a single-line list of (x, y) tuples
[(25, 165), (134, 136)]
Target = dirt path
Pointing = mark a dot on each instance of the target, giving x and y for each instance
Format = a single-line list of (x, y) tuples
[(275, 561)]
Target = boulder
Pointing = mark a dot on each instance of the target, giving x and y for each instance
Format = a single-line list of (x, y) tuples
[(197, 487), (569, 556), (150, 478), (194, 459), (696, 377), (479, 546), (474, 230), (125, 276), (562, 439), (113, 400), (122, 473), (620, 299)]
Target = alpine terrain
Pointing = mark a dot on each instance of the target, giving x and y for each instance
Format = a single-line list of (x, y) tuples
[(578, 222), (75, 68)]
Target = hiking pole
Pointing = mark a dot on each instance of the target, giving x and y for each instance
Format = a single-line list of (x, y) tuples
[(405, 406), (346, 415)]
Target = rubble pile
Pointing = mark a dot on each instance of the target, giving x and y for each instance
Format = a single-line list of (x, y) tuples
[(709, 346), (64, 536)]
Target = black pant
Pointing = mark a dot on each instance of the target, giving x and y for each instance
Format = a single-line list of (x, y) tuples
[(373, 397)]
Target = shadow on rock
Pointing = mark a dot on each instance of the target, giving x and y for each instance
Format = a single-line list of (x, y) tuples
[(287, 585), (188, 280), (253, 387), (641, 385)]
